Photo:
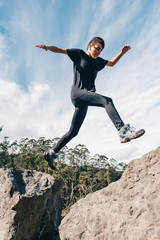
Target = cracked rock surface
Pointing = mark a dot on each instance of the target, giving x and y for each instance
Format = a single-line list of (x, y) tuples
[(128, 209), (30, 205)]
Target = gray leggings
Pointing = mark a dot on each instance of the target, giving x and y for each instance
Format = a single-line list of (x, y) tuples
[(81, 100)]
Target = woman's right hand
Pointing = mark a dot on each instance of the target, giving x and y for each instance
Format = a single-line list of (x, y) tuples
[(42, 46)]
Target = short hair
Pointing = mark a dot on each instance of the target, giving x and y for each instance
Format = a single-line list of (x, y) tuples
[(97, 40)]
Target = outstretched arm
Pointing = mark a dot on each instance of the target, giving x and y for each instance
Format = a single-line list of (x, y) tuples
[(112, 62), (52, 48)]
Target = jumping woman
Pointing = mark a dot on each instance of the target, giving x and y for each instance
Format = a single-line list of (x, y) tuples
[(83, 93)]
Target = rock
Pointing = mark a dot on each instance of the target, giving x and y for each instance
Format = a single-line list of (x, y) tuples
[(128, 209), (30, 206)]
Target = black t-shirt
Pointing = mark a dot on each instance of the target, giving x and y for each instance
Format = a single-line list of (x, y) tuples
[(85, 69)]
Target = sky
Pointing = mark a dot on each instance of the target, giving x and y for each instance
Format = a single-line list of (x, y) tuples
[(35, 84)]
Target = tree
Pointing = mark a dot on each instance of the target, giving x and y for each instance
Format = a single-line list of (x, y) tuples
[(81, 173)]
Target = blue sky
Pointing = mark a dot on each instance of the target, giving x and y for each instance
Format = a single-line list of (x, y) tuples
[(35, 85)]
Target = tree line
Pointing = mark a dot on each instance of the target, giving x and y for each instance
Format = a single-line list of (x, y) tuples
[(80, 172)]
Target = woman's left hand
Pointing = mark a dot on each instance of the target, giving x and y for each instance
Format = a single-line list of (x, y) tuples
[(125, 49)]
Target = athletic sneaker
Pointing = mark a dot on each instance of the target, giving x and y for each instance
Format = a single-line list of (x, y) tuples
[(50, 157), (128, 133)]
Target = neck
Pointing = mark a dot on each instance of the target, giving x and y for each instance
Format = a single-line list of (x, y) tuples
[(89, 54)]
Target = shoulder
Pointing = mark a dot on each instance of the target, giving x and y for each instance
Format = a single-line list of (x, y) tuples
[(74, 54), (101, 62), (73, 50), (101, 59)]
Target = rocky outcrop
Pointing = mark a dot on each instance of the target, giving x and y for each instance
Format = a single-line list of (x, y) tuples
[(30, 206), (128, 209)]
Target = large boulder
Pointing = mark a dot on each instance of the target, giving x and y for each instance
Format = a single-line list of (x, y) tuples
[(128, 209), (30, 205)]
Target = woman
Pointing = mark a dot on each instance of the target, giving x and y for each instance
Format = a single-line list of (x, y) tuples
[(83, 93)]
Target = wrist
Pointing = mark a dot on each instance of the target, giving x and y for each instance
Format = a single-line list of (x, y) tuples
[(122, 53)]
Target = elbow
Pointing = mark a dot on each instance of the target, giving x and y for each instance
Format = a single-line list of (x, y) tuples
[(110, 64)]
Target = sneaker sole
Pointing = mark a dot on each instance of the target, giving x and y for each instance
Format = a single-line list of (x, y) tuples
[(139, 134), (134, 137)]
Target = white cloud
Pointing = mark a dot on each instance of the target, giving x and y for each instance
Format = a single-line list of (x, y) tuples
[(35, 85)]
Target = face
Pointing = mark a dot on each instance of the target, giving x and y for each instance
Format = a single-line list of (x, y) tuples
[(94, 50)]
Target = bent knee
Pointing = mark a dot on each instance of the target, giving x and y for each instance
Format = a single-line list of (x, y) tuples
[(108, 100)]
